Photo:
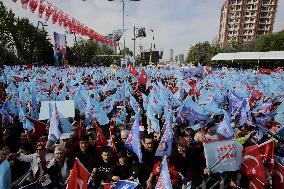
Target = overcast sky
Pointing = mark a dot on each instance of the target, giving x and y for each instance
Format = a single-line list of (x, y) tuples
[(176, 24)]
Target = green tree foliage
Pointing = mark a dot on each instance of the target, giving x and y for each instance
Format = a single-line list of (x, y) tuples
[(126, 51), (270, 42), (201, 53), (20, 38), (88, 52), (139, 61)]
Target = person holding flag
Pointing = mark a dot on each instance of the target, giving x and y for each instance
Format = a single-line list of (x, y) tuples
[(164, 175)]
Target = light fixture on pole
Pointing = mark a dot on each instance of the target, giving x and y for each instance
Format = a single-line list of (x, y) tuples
[(123, 7), (42, 25)]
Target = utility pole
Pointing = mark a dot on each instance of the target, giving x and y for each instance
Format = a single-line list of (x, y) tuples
[(123, 7), (134, 39)]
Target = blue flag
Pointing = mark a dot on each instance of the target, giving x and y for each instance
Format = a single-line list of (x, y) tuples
[(126, 184), (225, 129), (55, 129), (223, 155), (121, 116), (28, 125), (5, 175), (134, 104), (165, 145), (164, 180), (133, 140), (280, 112)]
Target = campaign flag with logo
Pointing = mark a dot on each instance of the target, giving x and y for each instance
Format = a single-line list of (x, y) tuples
[(55, 129), (164, 180), (252, 165), (126, 184), (5, 175), (225, 129), (134, 104), (133, 140), (78, 178), (223, 155), (278, 176), (165, 145)]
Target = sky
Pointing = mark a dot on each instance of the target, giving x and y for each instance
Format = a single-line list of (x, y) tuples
[(176, 24)]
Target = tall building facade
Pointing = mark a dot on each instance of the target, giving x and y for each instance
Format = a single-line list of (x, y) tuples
[(171, 55), (244, 20)]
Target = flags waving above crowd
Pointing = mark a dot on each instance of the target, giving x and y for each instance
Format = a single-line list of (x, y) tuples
[(155, 100)]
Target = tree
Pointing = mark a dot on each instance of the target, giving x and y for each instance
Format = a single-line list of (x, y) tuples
[(270, 42), (239, 46), (139, 61), (18, 36), (126, 51), (201, 53), (89, 52)]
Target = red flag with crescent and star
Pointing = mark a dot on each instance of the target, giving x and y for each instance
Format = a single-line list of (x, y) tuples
[(267, 154), (252, 165), (143, 77), (78, 177), (254, 183), (132, 70), (277, 177)]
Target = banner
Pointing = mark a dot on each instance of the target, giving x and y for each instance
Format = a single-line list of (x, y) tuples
[(223, 156), (125, 184), (60, 44), (66, 108)]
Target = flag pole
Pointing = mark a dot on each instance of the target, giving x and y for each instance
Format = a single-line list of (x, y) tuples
[(134, 39)]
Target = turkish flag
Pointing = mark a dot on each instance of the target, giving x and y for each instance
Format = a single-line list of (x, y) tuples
[(277, 177), (78, 178), (265, 71), (143, 77), (256, 95), (107, 186), (253, 183), (18, 79), (112, 140), (39, 128), (267, 153), (33, 5), (101, 139), (207, 70), (192, 85), (132, 70), (252, 166)]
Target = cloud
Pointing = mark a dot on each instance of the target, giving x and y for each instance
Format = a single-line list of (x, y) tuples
[(176, 24)]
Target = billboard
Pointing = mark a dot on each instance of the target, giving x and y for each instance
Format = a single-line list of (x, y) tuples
[(60, 44)]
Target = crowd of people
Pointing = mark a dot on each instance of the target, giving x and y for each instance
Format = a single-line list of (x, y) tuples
[(176, 111)]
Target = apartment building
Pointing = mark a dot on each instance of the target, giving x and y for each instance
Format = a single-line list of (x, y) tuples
[(244, 20)]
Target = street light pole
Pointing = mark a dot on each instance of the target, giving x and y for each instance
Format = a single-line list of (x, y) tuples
[(123, 7), (134, 39)]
